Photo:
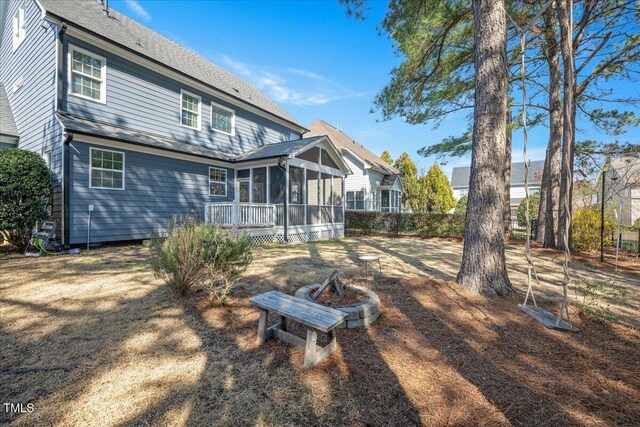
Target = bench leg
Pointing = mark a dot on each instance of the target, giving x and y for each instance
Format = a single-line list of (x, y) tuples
[(310, 349), (262, 327), (283, 323)]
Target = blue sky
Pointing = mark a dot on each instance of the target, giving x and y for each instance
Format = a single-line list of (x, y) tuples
[(315, 62)]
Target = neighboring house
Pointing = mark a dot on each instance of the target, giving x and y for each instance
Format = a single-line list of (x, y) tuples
[(622, 187), (139, 129), (8, 131), (460, 181), (374, 185)]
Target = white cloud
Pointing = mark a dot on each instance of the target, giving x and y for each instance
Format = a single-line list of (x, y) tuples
[(137, 8), (292, 85)]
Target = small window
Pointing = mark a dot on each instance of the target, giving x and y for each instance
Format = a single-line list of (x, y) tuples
[(87, 75), (222, 119), (107, 169), (217, 182), (19, 28), (190, 110)]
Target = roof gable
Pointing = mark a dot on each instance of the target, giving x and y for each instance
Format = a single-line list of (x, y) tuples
[(7, 123), (124, 31), (345, 142)]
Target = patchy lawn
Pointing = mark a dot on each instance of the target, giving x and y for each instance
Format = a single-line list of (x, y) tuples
[(95, 339)]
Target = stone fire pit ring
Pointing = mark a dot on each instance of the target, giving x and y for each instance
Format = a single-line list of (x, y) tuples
[(360, 314)]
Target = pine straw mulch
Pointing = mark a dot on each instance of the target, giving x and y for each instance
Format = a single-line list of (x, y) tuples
[(441, 356), (436, 356)]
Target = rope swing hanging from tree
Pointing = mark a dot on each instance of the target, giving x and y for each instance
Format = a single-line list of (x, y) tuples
[(541, 315)]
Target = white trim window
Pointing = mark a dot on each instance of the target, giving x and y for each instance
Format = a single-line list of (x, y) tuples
[(19, 28), (217, 182), (223, 119), (355, 200), (87, 75), (190, 110), (107, 169)]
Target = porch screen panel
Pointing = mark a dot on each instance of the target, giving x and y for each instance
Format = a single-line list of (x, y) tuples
[(385, 200), (328, 161), (336, 194), (259, 179), (296, 196), (313, 197), (336, 198), (326, 198), (277, 182), (311, 155)]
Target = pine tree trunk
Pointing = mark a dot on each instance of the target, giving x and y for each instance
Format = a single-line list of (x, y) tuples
[(568, 121), (483, 269), (550, 190), (506, 216)]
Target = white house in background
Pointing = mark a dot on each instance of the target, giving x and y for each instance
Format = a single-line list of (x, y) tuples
[(460, 181), (374, 184), (624, 190)]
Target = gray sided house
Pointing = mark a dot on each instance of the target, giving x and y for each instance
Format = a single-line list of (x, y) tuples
[(374, 185), (460, 181), (622, 188), (138, 129)]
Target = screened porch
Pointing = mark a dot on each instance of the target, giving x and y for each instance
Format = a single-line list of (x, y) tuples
[(298, 194)]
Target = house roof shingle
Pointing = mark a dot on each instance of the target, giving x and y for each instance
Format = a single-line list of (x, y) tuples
[(460, 175), (120, 133), (134, 36), (277, 149), (344, 141), (389, 180), (7, 123)]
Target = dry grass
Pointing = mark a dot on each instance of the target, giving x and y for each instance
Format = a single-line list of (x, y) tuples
[(131, 354)]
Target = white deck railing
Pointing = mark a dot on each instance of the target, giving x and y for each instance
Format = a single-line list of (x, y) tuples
[(241, 214)]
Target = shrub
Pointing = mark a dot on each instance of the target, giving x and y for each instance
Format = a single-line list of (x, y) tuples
[(25, 194), (442, 225), (193, 253), (396, 223), (586, 228), (461, 206), (364, 221), (534, 205)]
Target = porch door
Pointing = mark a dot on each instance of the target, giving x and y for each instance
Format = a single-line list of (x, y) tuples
[(242, 187)]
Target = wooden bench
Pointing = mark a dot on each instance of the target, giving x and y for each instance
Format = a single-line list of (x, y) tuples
[(314, 316)]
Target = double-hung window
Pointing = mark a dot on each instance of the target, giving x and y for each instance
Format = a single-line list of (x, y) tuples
[(355, 200), (190, 109), (87, 75), (222, 119), (19, 28), (107, 169), (217, 182)]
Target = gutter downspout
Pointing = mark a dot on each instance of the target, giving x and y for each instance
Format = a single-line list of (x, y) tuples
[(67, 136)]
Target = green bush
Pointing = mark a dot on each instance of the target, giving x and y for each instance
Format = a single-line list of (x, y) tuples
[(192, 253), (364, 221), (534, 206), (443, 225), (461, 206), (586, 228), (25, 194), (422, 224)]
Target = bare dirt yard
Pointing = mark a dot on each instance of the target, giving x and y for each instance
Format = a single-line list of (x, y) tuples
[(95, 339)]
